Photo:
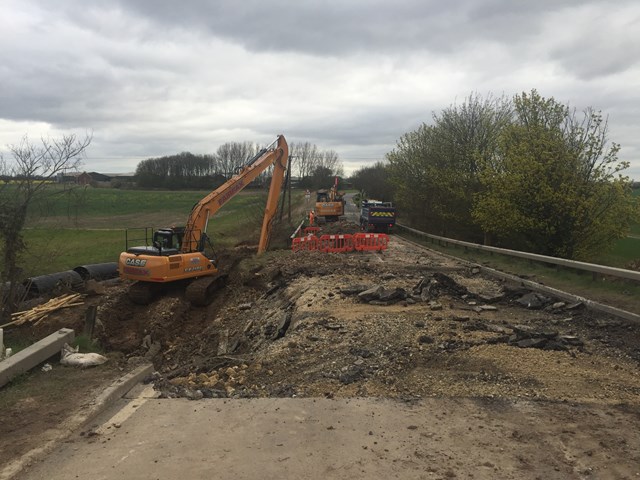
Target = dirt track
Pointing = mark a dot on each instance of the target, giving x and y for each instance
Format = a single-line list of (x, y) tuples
[(296, 326)]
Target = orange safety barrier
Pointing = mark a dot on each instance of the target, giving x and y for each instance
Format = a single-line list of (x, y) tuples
[(310, 242), (336, 243), (311, 230), (370, 241)]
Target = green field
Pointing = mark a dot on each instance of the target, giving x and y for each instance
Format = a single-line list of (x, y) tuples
[(98, 207), (624, 252), (88, 225)]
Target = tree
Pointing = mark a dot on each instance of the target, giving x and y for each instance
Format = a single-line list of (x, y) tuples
[(184, 170), (309, 161), (32, 171), (554, 186), (413, 169), (322, 177), (374, 180), (232, 155), (435, 168), (305, 158), (330, 160)]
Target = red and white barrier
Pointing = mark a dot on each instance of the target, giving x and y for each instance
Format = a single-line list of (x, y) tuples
[(361, 242), (310, 242), (336, 243), (370, 241)]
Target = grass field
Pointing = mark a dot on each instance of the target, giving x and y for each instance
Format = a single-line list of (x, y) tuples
[(89, 207), (89, 225), (624, 251)]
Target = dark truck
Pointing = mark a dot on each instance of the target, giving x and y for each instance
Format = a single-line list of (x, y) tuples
[(377, 216)]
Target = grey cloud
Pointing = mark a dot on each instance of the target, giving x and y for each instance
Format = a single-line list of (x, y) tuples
[(339, 27), (600, 41), (156, 77)]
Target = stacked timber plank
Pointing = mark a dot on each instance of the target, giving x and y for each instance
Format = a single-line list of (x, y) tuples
[(38, 314)]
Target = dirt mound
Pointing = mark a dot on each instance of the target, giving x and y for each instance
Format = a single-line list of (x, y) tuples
[(403, 323), (341, 227)]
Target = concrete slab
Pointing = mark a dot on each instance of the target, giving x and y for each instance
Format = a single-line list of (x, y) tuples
[(107, 398), (31, 356), (280, 438)]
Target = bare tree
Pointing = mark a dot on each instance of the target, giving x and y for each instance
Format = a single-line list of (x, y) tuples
[(309, 160), (29, 176), (232, 155), (331, 161), (306, 156)]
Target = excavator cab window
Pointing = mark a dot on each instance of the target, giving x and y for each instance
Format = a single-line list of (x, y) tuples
[(166, 241)]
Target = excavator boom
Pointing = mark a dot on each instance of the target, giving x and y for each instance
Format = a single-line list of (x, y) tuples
[(278, 153)]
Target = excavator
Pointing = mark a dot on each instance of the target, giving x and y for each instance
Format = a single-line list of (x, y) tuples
[(330, 203), (178, 253)]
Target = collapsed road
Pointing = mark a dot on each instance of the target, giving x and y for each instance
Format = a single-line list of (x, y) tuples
[(402, 363), (405, 323), (477, 377)]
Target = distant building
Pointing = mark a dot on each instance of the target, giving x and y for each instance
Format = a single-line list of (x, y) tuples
[(99, 177), (126, 177), (83, 179)]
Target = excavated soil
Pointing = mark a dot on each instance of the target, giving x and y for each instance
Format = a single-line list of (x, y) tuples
[(294, 325)]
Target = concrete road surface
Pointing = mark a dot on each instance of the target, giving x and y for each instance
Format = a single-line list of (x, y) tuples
[(351, 212), (348, 439)]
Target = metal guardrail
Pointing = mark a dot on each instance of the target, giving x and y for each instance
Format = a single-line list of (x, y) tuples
[(590, 267)]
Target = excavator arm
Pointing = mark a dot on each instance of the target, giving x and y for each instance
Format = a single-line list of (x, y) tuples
[(277, 154)]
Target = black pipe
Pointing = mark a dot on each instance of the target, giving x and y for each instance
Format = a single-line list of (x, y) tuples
[(45, 283), (98, 271)]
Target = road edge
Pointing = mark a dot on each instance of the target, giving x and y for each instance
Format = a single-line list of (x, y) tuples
[(535, 286), (109, 395)]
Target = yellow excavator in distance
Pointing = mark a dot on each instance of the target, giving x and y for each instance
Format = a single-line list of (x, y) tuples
[(178, 253), (329, 204)]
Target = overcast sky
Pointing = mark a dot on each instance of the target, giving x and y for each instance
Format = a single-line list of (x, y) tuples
[(158, 77)]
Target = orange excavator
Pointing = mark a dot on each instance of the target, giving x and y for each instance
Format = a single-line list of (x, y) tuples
[(330, 203), (178, 253)]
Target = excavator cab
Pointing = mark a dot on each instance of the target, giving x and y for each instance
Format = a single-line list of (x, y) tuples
[(329, 205), (165, 242), (322, 196)]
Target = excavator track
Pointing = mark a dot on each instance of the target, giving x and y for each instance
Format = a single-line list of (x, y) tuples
[(200, 291)]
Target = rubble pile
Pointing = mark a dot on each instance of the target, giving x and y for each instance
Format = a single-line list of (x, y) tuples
[(399, 324)]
